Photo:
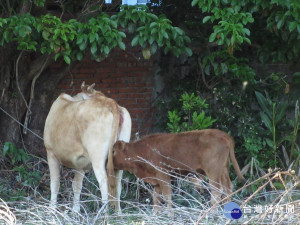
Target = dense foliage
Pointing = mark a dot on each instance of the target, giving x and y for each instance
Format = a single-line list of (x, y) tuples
[(34, 34), (232, 41), (224, 87), (100, 33)]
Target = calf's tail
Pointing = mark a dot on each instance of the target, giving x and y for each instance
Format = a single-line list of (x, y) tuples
[(234, 162)]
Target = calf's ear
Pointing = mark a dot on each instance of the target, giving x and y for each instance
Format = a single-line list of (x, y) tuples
[(119, 145)]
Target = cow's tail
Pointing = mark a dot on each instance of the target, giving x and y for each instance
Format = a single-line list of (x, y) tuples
[(234, 162), (110, 166)]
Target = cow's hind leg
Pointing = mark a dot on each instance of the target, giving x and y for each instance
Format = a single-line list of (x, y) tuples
[(77, 187), (119, 174), (101, 176), (54, 177)]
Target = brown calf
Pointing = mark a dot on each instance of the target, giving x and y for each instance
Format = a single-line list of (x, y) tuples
[(156, 156)]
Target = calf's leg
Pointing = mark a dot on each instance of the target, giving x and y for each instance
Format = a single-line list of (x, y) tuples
[(157, 198), (227, 185), (54, 177), (164, 182), (77, 187), (215, 187)]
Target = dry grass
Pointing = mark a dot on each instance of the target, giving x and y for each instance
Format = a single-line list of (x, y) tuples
[(190, 206)]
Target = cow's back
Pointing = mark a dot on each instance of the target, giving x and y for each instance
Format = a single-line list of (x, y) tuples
[(187, 150)]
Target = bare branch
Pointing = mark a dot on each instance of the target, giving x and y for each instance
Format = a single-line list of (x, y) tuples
[(17, 78), (28, 113)]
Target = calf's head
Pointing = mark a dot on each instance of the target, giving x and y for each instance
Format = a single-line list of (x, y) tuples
[(120, 155)]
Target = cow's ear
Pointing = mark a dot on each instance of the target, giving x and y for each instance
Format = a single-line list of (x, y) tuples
[(82, 85), (91, 87)]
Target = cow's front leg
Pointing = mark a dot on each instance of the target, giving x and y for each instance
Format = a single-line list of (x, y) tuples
[(54, 176), (77, 187)]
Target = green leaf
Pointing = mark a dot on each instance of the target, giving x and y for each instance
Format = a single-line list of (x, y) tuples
[(152, 16), (92, 37), (43, 50), (266, 121), (153, 31), (22, 31), (247, 40), (56, 56), (292, 26), (79, 40), (106, 50), (135, 40), (188, 51), (179, 31), (280, 24), (45, 34), (153, 48), (212, 37), (246, 31), (207, 70), (122, 45), (224, 68), (122, 34), (79, 56), (152, 24), (264, 104), (270, 143), (6, 148), (232, 40), (83, 45), (282, 108), (205, 19), (165, 34), (113, 23), (195, 2), (93, 48), (67, 59), (239, 39)]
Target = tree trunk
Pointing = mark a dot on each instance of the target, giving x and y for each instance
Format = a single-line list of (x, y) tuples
[(15, 86), (44, 97)]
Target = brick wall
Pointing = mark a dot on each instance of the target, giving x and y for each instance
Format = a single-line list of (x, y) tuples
[(123, 77)]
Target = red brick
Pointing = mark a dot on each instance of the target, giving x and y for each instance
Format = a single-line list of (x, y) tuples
[(122, 77), (142, 100)]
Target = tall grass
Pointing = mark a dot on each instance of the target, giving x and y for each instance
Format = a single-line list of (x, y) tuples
[(190, 205)]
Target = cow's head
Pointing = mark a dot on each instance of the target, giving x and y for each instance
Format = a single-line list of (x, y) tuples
[(87, 92)]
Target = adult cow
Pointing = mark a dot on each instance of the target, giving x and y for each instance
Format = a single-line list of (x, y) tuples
[(79, 133), (155, 157)]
